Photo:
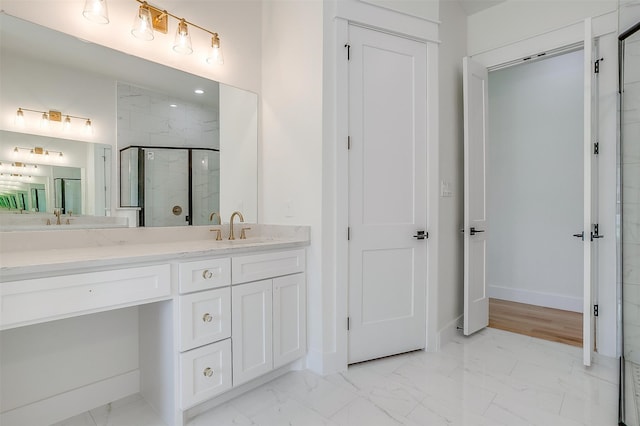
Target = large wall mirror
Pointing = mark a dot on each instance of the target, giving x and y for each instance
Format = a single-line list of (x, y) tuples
[(172, 146)]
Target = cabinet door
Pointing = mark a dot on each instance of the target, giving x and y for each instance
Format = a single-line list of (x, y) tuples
[(252, 334), (205, 317), (289, 319)]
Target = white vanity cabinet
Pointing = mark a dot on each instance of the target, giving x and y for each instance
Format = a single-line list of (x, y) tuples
[(269, 315), (190, 333)]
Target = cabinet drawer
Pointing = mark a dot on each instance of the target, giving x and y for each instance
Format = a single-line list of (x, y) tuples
[(205, 317), (204, 274), (205, 372), (44, 299), (268, 265)]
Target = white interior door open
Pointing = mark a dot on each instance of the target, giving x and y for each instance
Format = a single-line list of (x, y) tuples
[(387, 194), (590, 233), (476, 94)]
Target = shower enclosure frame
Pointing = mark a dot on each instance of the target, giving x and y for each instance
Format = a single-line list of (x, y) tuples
[(622, 405), (141, 178)]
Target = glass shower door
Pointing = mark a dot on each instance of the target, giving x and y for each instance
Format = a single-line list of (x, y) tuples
[(205, 184), (629, 274), (166, 183)]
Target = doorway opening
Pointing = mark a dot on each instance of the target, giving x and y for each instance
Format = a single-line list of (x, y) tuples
[(535, 198)]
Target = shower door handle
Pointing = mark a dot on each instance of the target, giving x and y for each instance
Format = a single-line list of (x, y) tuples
[(580, 235)]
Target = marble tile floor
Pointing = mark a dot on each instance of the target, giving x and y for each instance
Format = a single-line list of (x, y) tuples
[(491, 378)]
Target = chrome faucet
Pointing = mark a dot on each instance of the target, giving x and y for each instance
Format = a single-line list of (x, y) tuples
[(234, 214), (214, 214)]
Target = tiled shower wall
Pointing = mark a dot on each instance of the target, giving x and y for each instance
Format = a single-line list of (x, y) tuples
[(630, 163), (145, 118)]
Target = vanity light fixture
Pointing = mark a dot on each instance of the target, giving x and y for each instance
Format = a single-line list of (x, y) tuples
[(96, 11), (36, 150), (149, 18), (48, 116)]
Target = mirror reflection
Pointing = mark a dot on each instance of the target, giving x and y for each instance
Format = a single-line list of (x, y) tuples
[(132, 104)]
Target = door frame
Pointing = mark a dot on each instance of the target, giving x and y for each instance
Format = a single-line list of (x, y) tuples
[(559, 39), (342, 196)]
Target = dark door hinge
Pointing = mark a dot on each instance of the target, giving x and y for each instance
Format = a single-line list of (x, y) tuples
[(595, 310), (596, 232), (348, 142), (348, 46), (348, 323), (596, 65), (348, 233), (596, 148)]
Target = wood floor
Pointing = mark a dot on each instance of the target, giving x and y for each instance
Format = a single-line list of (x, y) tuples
[(536, 321)]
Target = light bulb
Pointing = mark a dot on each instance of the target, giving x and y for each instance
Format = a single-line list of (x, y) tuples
[(96, 11), (67, 123), (182, 43), (44, 122), (215, 57), (88, 127), (20, 117), (142, 24)]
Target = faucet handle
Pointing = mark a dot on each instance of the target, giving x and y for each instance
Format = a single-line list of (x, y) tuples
[(243, 234), (218, 233)]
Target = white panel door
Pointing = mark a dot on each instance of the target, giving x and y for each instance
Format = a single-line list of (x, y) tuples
[(387, 194), (251, 319), (476, 95)]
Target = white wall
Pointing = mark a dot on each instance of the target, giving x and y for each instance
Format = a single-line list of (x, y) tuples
[(453, 33), (515, 20), (534, 182), (426, 9), (292, 164)]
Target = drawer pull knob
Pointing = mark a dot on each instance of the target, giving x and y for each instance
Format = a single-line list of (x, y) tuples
[(208, 372), (207, 274), (207, 317)]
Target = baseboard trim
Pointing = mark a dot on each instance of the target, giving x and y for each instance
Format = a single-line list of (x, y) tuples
[(449, 331), (547, 300), (71, 403)]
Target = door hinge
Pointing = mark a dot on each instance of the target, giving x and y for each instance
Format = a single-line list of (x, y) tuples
[(348, 233), (596, 232), (596, 148), (348, 46), (595, 310), (596, 65), (348, 323), (348, 142)]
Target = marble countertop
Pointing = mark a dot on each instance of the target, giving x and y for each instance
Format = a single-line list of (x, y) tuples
[(31, 254)]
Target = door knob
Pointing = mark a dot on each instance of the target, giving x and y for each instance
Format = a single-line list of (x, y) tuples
[(421, 235), (474, 231)]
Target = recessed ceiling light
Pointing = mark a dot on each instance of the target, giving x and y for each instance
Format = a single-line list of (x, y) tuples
[(199, 91), (173, 106)]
